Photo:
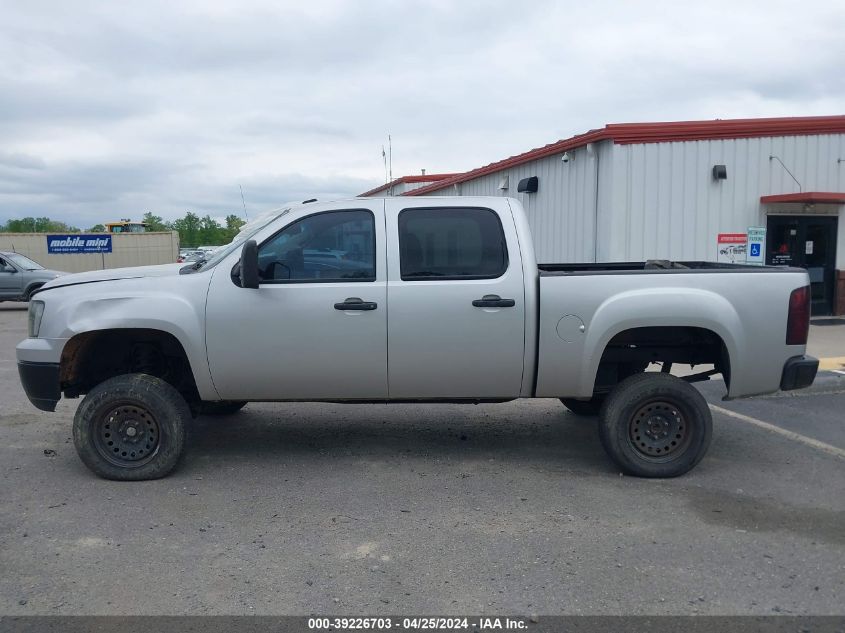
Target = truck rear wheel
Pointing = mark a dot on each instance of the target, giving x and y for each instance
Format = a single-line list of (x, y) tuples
[(131, 428), (593, 405), (655, 425)]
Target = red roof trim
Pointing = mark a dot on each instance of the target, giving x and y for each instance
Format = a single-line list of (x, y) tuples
[(666, 132), (426, 177), (806, 197), (406, 179)]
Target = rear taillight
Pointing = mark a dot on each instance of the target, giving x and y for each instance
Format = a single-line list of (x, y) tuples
[(798, 322)]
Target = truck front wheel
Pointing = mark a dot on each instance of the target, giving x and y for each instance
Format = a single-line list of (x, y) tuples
[(655, 425), (131, 428)]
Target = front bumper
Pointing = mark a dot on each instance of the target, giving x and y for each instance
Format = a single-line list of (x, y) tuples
[(799, 372), (41, 383)]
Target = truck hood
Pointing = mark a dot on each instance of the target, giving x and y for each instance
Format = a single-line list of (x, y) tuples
[(114, 274)]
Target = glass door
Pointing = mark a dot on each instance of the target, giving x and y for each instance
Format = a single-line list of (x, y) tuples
[(820, 261), (806, 242)]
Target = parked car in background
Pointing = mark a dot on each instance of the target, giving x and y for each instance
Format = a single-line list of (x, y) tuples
[(189, 255), (20, 276), (195, 254)]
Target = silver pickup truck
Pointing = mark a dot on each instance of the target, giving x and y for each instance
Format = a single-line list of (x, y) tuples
[(408, 300)]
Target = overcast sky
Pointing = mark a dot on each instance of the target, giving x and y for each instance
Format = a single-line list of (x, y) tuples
[(111, 109)]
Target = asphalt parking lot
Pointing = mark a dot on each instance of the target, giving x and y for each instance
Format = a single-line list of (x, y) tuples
[(374, 509)]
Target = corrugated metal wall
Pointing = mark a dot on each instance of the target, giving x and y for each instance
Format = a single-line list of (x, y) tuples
[(128, 249), (666, 204), (659, 200), (562, 212)]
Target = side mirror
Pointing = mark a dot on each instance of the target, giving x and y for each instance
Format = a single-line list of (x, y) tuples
[(7, 268), (249, 265)]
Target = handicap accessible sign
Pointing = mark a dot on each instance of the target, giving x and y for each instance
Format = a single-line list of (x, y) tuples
[(756, 250), (78, 243)]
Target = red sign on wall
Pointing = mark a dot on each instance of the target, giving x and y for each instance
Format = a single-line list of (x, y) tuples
[(731, 248)]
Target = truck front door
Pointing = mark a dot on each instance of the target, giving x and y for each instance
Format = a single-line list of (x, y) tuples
[(316, 328), (456, 322)]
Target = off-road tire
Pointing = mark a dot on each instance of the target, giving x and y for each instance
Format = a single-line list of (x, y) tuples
[(222, 407), (592, 407), (655, 425), (131, 428)]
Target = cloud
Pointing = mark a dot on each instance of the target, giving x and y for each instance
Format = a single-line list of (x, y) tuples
[(96, 193), (111, 109)]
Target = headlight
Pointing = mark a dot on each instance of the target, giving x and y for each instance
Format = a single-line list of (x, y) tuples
[(36, 311)]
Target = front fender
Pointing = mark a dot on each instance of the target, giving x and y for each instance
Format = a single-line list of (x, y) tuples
[(128, 304)]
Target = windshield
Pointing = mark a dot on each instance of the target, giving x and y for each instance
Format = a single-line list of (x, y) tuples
[(221, 253), (23, 262)]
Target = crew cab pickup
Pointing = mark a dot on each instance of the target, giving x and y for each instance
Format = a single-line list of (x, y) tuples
[(408, 300)]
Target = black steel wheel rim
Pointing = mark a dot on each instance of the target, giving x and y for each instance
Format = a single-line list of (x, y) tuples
[(127, 435), (659, 431)]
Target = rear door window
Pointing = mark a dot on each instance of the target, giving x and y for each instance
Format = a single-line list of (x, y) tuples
[(451, 243)]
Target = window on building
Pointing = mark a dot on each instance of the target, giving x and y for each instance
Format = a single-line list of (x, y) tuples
[(333, 246), (451, 243)]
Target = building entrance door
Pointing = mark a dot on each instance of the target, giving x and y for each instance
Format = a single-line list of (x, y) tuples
[(807, 242)]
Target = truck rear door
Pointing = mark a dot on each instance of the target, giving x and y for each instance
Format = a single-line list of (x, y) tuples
[(456, 307)]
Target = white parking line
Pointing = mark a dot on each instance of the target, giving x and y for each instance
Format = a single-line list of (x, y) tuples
[(809, 441)]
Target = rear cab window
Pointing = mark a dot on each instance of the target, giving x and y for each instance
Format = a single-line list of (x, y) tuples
[(451, 243)]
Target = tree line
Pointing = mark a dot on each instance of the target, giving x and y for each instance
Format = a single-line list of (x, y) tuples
[(193, 230)]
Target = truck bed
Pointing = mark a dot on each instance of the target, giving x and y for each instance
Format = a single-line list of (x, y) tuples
[(654, 266)]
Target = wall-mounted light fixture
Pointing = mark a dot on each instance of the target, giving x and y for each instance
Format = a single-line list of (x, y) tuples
[(566, 157), (528, 185), (503, 183), (720, 172), (791, 175)]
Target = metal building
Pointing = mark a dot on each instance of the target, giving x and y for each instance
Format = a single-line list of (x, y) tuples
[(630, 192), (403, 185)]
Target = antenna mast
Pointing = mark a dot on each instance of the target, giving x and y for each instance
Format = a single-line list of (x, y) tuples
[(384, 160), (243, 202)]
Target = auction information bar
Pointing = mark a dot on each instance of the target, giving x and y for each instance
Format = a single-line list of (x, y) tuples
[(541, 623)]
